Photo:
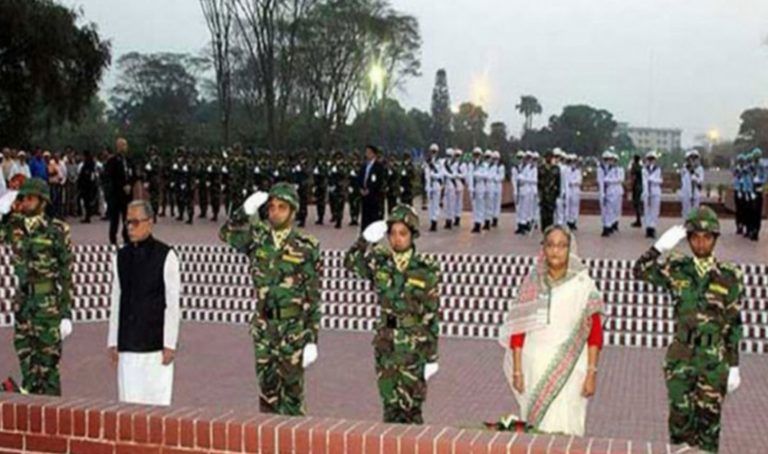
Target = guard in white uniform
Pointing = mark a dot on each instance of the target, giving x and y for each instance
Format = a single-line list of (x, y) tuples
[(574, 191), (691, 183), (652, 179), (498, 174), (460, 170), (448, 170), (477, 188), (433, 180)]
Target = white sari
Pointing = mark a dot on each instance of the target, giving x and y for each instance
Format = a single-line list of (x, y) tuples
[(554, 356)]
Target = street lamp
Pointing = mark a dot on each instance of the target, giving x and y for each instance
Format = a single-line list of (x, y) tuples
[(376, 75)]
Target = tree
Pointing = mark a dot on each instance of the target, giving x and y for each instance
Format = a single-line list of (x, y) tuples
[(219, 16), (753, 131), (469, 126), (353, 53), (582, 129), (528, 107), (156, 96), (47, 63), (386, 124), (422, 121), (498, 140), (441, 109)]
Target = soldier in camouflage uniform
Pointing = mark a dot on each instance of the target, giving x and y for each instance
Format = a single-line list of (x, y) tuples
[(285, 266), (406, 337), (320, 185), (203, 184), (42, 262), (355, 196), (184, 176), (393, 183), (213, 181), (300, 179), (549, 189), (406, 176), (169, 187), (337, 188), (239, 180), (151, 179), (702, 361)]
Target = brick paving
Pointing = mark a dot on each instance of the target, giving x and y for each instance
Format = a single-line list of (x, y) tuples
[(215, 368), (629, 243)]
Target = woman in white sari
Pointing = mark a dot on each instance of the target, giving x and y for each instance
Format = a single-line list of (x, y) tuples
[(553, 337)]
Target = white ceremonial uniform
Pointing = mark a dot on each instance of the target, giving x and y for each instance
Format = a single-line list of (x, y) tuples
[(433, 179), (652, 180), (449, 192), (614, 180), (561, 207), (574, 193), (141, 377), (477, 190), (460, 169)]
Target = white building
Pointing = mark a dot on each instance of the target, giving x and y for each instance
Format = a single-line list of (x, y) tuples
[(661, 139)]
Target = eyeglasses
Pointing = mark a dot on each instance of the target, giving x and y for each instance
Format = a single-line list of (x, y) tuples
[(135, 222), (556, 245)]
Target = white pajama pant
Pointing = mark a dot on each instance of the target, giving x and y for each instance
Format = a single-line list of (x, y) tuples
[(143, 379), (478, 207), (560, 211), (449, 202), (434, 204), (574, 202), (459, 205), (652, 208)]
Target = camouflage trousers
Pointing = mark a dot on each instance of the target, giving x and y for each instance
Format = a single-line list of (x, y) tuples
[(400, 374), (355, 202), (278, 351), (547, 212), (337, 205), (37, 341), (696, 389)]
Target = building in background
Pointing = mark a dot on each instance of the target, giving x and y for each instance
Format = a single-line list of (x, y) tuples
[(660, 139)]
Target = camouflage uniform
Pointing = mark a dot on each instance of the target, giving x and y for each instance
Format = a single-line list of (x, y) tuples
[(300, 179), (337, 189), (393, 184), (355, 197), (320, 184), (405, 172), (184, 181), (42, 262), (203, 185), (407, 332), (238, 184), (706, 341), (213, 181), (169, 189), (549, 190), (150, 177), (287, 281)]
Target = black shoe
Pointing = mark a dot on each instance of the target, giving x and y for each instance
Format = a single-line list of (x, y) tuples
[(615, 226), (487, 225), (636, 224), (495, 222), (648, 232), (433, 227), (319, 222), (606, 232), (476, 228), (457, 222), (179, 218), (85, 221), (353, 223), (448, 224), (215, 219), (189, 222), (338, 224), (739, 230), (301, 224), (520, 229)]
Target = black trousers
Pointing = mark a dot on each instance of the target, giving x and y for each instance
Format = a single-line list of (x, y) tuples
[(116, 213), (373, 210)]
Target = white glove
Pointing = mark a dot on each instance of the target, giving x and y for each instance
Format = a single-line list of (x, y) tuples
[(670, 238), (254, 202), (734, 379), (309, 356), (375, 231), (6, 202), (65, 328), (429, 370)]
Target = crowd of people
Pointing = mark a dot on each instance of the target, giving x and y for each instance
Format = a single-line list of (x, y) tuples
[(545, 189)]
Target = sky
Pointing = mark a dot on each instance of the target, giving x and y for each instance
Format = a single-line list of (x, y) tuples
[(688, 64)]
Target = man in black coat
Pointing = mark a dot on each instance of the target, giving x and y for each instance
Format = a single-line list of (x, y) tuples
[(120, 178), (372, 179)]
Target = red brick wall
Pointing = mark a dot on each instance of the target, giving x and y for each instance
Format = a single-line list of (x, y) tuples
[(38, 424)]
